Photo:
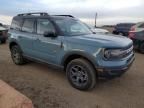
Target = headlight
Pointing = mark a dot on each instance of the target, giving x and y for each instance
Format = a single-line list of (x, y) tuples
[(112, 54)]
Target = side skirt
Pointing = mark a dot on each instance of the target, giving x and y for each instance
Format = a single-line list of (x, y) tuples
[(43, 62)]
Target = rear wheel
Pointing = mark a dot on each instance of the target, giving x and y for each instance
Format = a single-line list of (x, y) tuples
[(16, 55), (81, 74)]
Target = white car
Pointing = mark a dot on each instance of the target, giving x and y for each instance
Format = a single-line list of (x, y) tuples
[(97, 30), (2, 28), (100, 31)]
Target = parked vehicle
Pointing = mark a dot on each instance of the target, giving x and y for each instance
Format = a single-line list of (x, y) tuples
[(3, 36), (137, 35), (123, 29), (100, 31), (64, 41)]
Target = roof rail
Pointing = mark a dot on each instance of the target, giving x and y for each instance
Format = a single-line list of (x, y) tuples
[(65, 15), (35, 13)]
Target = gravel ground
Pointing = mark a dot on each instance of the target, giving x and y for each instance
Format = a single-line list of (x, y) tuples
[(48, 87)]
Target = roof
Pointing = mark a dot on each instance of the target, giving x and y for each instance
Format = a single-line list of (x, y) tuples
[(41, 15), (126, 24)]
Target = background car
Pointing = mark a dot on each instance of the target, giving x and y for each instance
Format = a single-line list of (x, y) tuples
[(3, 34), (137, 35), (97, 30), (123, 28), (100, 31)]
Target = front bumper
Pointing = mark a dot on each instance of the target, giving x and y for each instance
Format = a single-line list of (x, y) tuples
[(115, 71)]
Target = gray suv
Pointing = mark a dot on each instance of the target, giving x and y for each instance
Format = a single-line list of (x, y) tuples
[(64, 41)]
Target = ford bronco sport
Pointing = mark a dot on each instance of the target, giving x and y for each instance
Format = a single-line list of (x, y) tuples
[(64, 41)]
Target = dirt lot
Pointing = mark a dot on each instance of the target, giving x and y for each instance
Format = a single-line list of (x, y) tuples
[(48, 87)]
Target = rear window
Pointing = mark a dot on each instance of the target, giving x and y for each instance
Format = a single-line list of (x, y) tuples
[(28, 25), (16, 24)]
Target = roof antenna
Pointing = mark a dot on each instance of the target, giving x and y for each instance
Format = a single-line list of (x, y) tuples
[(96, 20)]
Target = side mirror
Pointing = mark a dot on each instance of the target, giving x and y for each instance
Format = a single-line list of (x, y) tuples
[(50, 34)]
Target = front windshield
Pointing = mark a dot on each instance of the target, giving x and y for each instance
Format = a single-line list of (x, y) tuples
[(72, 27)]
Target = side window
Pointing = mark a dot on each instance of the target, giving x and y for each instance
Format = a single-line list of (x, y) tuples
[(141, 26), (28, 25), (44, 25), (16, 24), (77, 27)]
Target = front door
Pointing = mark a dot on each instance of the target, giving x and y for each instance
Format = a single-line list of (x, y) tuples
[(47, 48)]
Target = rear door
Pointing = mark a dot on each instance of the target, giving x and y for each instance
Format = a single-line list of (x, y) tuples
[(26, 36)]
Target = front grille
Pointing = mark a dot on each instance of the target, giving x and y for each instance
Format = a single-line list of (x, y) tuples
[(127, 51)]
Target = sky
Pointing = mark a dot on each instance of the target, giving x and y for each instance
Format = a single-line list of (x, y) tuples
[(109, 11)]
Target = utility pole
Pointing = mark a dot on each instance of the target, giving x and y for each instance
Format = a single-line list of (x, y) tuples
[(95, 20)]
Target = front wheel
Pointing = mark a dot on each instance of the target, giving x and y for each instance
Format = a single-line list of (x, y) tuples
[(81, 74), (16, 55)]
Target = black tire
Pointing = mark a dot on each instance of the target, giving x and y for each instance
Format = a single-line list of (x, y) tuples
[(16, 55), (85, 74), (4, 41), (142, 47)]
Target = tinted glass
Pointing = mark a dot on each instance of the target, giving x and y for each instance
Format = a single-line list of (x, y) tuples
[(28, 25), (125, 25), (16, 24), (44, 25)]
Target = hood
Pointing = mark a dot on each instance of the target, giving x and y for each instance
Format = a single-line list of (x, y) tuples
[(106, 41)]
